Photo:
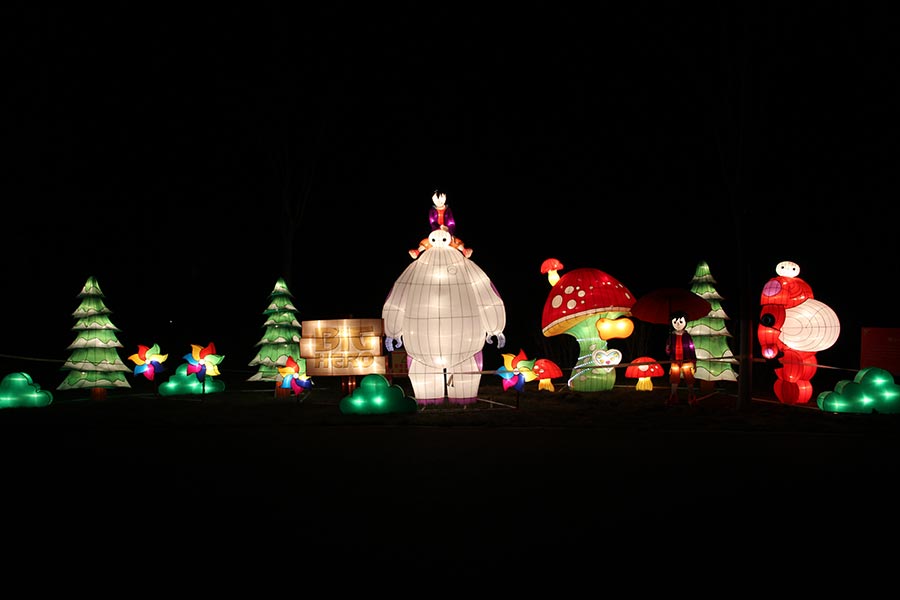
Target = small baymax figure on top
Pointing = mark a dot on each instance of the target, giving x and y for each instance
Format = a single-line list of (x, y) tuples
[(680, 349), (441, 217)]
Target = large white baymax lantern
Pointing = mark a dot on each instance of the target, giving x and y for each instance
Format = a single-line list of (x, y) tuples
[(443, 308)]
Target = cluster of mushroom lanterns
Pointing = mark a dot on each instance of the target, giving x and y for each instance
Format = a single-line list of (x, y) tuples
[(593, 307), (443, 308)]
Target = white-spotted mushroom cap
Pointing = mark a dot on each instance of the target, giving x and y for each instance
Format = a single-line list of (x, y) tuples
[(580, 294)]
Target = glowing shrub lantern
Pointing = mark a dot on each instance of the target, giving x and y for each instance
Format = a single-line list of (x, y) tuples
[(19, 390), (194, 376), (644, 368), (443, 308), (792, 323), (183, 383), (873, 390), (591, 306), (376, 395)]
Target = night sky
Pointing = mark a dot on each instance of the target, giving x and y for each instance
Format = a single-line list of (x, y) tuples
[(157, 151)]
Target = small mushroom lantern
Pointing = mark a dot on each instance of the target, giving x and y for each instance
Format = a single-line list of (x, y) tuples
[(546, 370), (643, 369), (550, 268), (591, 306)]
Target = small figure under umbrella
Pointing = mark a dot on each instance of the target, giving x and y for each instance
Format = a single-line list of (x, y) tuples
[(680, 348)]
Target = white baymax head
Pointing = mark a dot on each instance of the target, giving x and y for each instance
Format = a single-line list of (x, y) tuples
[(439, 199), (787, 268), (440, 238)]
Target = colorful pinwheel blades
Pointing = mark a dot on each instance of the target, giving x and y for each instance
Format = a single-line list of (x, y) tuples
[(506, 375), (155, 367), (517, 382), (195, 368), (299, 384), (516, 371), (203, 361), (148, 360), (149, 369), (293, 378)]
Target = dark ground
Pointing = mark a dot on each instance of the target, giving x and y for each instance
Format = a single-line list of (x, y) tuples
[(562, 483)]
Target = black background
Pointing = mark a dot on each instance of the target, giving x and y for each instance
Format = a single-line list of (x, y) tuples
[(156, 149)]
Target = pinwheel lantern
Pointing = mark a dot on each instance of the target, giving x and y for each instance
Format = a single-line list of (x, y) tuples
[(148, 360), (516, 371), (294, 377), (203, 362)]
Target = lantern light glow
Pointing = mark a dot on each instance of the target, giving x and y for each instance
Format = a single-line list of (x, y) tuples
[(443, 308)]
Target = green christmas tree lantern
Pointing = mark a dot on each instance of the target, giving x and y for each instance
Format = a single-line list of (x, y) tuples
[(281, 339), (94, 362), (711, 336)]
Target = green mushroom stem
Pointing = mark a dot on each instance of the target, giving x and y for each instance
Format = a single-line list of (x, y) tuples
[(587, 375)]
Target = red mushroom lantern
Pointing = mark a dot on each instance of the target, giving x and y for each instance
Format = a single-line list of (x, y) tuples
[(591, 306), (546, 369), (550, 268), (644, 369)]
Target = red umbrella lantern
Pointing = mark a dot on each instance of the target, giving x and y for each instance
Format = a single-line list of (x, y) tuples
[(657, 306)]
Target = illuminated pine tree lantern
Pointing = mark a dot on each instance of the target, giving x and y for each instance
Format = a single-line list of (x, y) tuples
[(280, 340), (710, 333), (94, 363)]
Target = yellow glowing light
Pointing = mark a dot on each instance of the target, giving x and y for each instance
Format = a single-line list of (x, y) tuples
[(615, 328)]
